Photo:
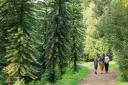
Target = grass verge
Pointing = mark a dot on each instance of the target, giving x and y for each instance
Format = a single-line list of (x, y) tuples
[(114, 66), (69, 78)]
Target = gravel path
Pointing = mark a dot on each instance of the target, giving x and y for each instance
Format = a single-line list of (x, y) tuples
[(99, 79)]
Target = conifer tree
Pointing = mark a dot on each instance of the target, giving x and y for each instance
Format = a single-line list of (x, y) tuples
[(45, 25), (77, 31), (2, 36), (57, 38), (2, 49), (18, 23)]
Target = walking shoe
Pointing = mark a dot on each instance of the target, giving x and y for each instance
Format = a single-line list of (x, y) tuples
[(95, 72)]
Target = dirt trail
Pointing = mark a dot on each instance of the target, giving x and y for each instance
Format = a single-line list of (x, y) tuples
[(99, 79)]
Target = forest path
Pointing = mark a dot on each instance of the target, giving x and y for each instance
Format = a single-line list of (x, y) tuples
[(99, 79)]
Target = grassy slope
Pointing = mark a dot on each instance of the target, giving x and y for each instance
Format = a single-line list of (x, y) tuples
[(114, 66)]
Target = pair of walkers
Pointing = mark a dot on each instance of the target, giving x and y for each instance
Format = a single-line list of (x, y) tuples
[(102, 61)]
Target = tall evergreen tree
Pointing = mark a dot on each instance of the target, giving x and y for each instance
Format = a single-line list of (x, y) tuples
[(2, 49), (57, 38), (45, 21), (18, 23), (77, 31), (39, 34), (2, 36)]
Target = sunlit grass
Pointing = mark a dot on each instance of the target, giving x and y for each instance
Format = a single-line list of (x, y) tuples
[(119, 82), (71, 78), (114, 65)]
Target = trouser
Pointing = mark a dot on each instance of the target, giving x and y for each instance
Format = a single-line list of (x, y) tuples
[(101, 66), (106, 67), (95, 66)]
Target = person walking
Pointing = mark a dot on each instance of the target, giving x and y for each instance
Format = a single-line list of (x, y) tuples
[(106, 61), (96, 60), (101, 63)]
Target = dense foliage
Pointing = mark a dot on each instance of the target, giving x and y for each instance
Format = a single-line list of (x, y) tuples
[(115, 32), (107, 31), (17, 24), (77, 31), (37, 35), (93, 15), (57, 38), (40, 39)]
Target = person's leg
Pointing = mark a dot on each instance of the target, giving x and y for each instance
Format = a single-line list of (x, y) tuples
[(96, 66), (105, 67), (100, 64), (102, 67)]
